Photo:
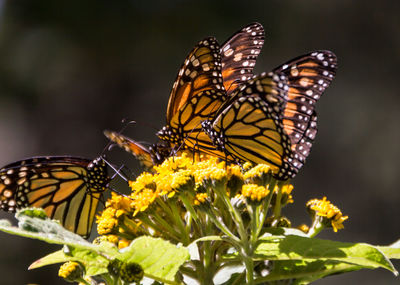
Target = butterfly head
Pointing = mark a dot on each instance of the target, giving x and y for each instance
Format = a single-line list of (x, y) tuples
[(160, 152), (169, 134), (97, 174)]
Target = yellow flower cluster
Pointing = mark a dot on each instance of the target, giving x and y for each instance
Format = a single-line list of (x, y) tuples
[(196, 177), (257, 172), (116, 207), (287, 197), (177, 174), (254, 192), (324, 208), (200, 198), (71, 271)]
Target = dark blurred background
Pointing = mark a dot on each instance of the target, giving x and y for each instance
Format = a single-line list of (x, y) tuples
[(70, 69)]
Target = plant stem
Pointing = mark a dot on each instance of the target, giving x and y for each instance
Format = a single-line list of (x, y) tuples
[(277, 208), (248, 262)]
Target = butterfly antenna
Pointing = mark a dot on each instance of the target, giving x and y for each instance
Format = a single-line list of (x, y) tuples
[(128, 169), (117, 171)]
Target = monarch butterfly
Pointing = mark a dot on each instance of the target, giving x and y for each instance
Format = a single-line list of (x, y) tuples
[(67, 188), (234, 62), (272, 119), (248, 127), (148, 156), (196, 94), (188, 106)]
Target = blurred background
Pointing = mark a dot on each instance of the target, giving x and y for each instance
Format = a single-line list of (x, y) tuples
[(70, 69)]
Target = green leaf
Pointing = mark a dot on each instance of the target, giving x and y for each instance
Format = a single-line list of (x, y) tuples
[(294, 247), (93, 262), (33, 225), (304, 272), (392, 251), (159, 259)]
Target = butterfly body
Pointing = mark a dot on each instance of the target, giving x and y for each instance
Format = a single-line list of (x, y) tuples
[(67, 188)]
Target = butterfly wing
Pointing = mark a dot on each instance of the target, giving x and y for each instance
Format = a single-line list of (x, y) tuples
[(142, 153), (147, 156), (248, 127), (197, 94), (67, 188), (200, 71), (239, 55), (308, 77)]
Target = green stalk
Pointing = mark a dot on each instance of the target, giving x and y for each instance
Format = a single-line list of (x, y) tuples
[(264, 210), (316, 227), (208, 273), (178, 222), (83, 281), (248, 262), (189, 207), (222, 226), (253, 212), (232, 210), (165, 228), (277, 208)]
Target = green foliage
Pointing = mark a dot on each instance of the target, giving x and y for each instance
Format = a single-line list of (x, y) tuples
[(291, 254), (159, 259)]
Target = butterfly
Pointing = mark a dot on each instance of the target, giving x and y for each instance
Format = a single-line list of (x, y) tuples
[(244, 131), (148, 156), (234, 61), (197, 93), (308, 77), (67, 188), (248, 127)]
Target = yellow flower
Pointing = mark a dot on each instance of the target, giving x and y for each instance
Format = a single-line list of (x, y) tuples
[(234, 170), (173, 164), (71, 271), (286, 194), (107, 223), (112, 238), (121, 203), (247, 165), (200, 198), (123, 243), (259, 174), (142, 200), (173, 182), (324, 208), (304, 228), (145, 180), (254, 192)]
